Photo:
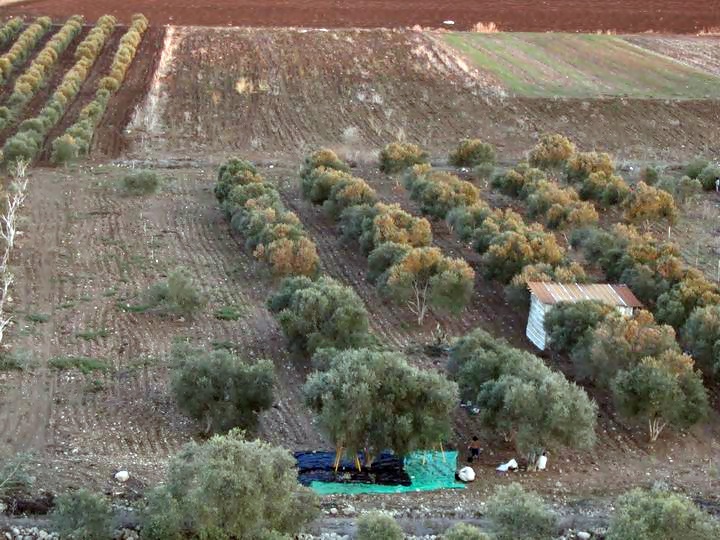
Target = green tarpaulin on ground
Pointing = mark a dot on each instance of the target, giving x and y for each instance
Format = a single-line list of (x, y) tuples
[(427, 470)]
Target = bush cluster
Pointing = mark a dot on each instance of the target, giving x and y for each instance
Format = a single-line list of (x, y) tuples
[(647, 203), (35, 76), (400, 261), (397, 156), (81, 132), (9, 30), (273, 234), (639, 360), (438, 192), (23, 47), (520, 397), (683, 189), (28, 140), (472, 153), (708, 176), (560, 207)]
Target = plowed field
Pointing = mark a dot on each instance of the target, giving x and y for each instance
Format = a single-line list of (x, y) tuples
[(274, 92), (671, 16)]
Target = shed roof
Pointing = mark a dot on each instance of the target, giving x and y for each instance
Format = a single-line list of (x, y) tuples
[(614, 295)]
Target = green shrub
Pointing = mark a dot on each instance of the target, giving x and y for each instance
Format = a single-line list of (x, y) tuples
[(235, 172), (317, 184), (82, 515), (220, 389), (64, 149), (141, 182), (708, 176), (397, 156), (696, 166), (378, 526), (471, 153), (229, 487), (517, 514), (347, 193), (464, 531), (568, 322), (651, 515), (649, 174), (15, 475)]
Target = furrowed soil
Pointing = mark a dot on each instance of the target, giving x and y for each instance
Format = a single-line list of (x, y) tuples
[(280, 92), (699, 52), (669, 16)]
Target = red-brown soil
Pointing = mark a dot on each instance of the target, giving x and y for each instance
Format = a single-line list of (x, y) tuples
[(671, 16)]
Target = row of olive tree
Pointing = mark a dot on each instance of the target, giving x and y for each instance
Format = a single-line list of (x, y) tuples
[(77, 139), (640, 361), (37, 73), (400, 261), (520, 397), (23, 47), (10, 30), (27, 142), (271, 232)]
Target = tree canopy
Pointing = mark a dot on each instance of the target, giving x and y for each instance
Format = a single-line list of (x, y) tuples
[(371, 401)]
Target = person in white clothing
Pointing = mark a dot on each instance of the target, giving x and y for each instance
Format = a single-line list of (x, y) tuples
[(541, 463)]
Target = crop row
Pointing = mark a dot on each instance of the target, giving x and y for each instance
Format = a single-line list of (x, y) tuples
[(27, 142), (271, 232), (77, 139), (36, 75), (23, 46), (9, 30)]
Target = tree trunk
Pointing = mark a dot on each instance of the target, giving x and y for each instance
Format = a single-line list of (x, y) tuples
[(655, 425)]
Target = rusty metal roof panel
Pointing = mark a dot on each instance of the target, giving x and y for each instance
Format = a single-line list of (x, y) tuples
[(614, 295)]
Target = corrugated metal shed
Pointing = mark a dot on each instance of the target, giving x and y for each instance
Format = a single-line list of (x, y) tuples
[(544, 295), (614, 295)]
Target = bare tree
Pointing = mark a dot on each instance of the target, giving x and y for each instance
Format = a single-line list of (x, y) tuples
[(8, 232)]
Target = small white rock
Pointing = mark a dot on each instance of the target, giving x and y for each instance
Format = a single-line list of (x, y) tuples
[(582, 535), (122, 476)]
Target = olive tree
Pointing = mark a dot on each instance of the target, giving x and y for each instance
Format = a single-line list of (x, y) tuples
[(701, 335), (322, 313), (233, 173), (220, 389), (663, 390), (229, 487), (650, 515), (620, 342), (324, 157), (517, 514), (372, 401), (647, 203), (551, 152), (398, 156), (567, 322), (83, 515), (472, 152), (424, 276), (520, 397)]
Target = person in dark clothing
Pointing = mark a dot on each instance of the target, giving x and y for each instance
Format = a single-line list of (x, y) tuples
[(474, 448)]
